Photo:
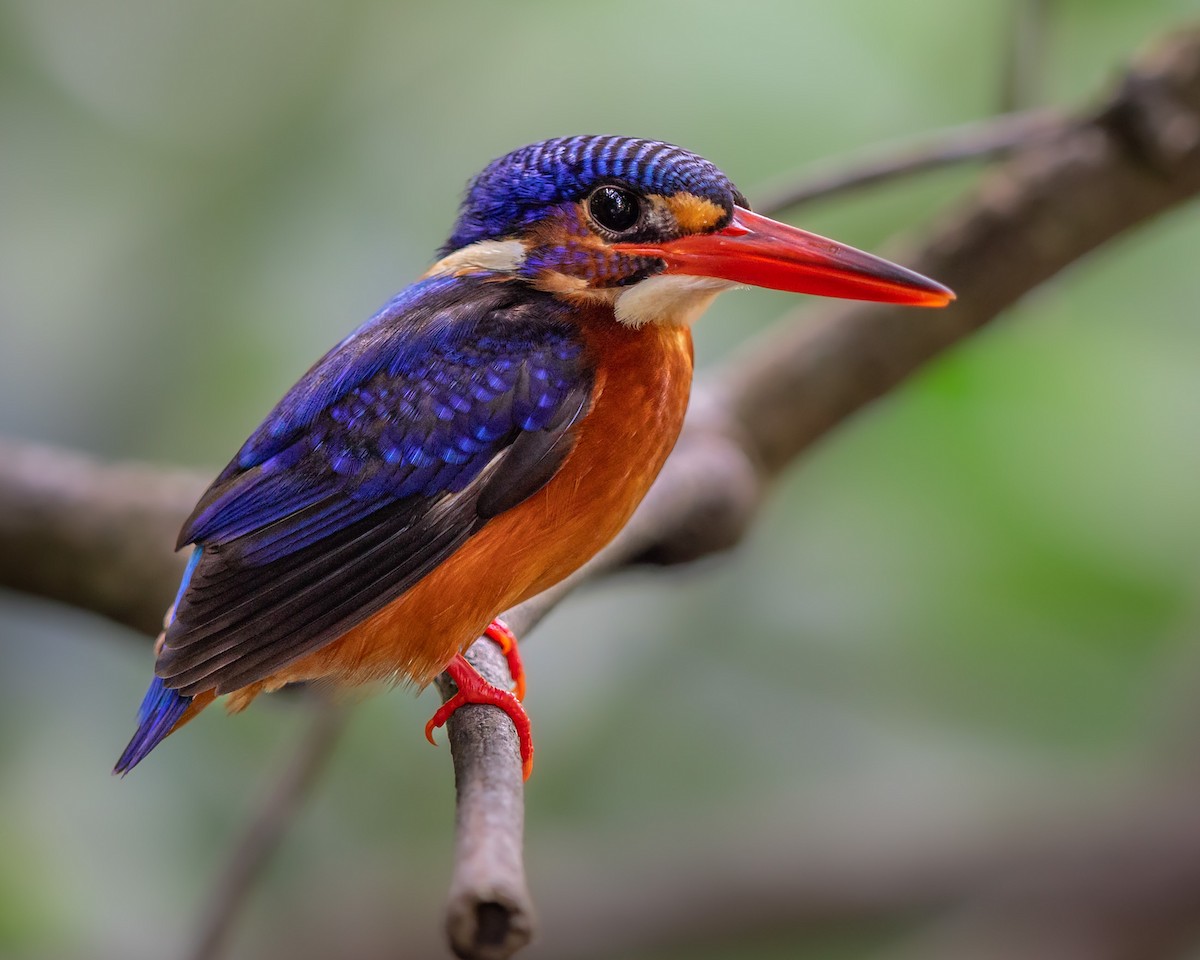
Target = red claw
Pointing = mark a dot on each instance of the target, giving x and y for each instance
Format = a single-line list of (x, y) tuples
[(473, 688), (498, 632)]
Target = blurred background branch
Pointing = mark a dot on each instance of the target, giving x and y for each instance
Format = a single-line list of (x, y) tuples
[(76, 529), (1024, 72), (264, 831), (980, 140)]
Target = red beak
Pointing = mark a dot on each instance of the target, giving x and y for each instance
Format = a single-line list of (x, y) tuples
[(762, 252)]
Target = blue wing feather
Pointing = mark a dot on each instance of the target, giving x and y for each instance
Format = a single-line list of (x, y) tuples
[(454, 403), (161, 707), (411, 404), (387, 340)]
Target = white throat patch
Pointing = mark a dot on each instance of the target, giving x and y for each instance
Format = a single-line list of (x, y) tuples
[(672, 299)]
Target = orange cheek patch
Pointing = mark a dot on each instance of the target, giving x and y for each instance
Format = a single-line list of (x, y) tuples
[(694, 214)]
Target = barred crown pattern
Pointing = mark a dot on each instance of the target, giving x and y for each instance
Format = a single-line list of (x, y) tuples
[(513, 191)]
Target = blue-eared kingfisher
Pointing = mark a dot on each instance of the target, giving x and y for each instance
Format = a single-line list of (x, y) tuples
[(481, 436)]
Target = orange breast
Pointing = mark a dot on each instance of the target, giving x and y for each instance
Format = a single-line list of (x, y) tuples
[(642, 386)]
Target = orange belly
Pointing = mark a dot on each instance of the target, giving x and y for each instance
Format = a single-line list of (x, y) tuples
[(642, 385)]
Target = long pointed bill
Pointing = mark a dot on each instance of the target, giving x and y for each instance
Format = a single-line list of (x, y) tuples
[(765, 253)]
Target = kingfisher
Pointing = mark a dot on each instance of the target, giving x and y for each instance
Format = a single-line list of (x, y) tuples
[(481, 436)]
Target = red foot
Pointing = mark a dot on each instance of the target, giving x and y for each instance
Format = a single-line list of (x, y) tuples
[(472, 688), (497, 631)]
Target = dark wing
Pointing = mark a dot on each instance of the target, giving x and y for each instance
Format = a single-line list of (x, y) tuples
[(454, 404)]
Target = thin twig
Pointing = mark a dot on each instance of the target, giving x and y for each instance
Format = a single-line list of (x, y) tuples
[(1025, 55), (262, 834), (979, 140), (489, 912)]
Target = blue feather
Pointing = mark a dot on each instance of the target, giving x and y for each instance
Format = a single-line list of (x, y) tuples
[(414, 405), (192, 563), (515, 190), (382, 342), (161, 709)]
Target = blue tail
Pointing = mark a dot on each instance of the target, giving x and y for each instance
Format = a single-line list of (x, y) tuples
[(161, 708), (157, 716)]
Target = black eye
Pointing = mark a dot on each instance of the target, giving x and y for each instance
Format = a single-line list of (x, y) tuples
[(614, 209)]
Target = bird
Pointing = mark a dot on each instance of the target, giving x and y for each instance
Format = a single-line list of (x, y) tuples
[(481, 436)]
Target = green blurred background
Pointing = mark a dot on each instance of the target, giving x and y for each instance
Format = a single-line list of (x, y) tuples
[(977, 600)]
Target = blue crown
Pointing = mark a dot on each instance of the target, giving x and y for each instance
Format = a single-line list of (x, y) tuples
[(514, 190)]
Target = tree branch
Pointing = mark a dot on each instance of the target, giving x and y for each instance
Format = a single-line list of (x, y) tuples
[(979, 140), (489, 913), (1058, 199), (95, 535)]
